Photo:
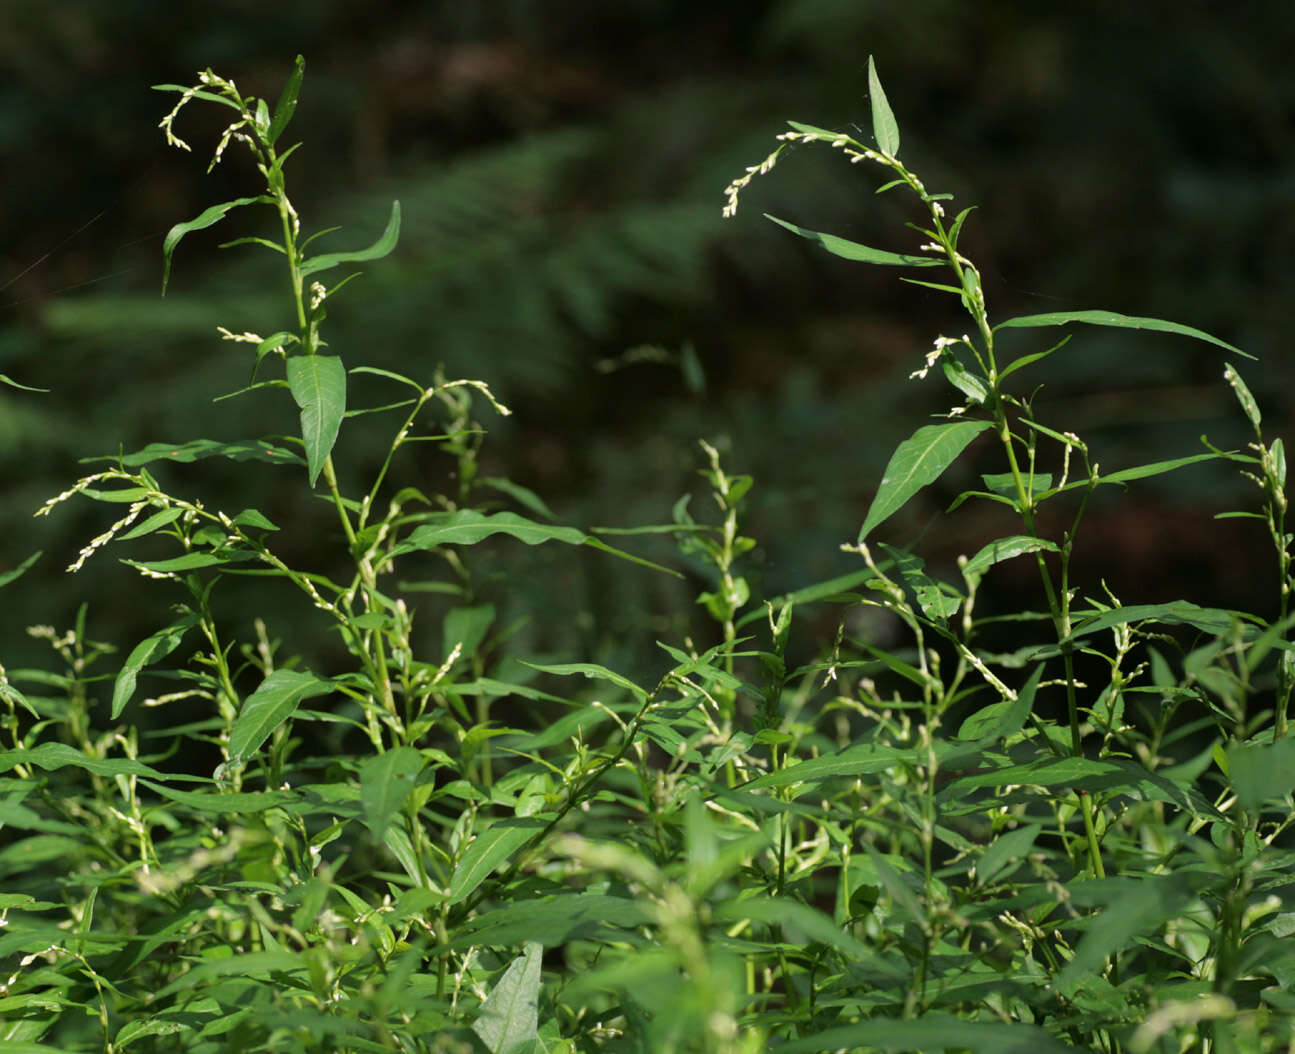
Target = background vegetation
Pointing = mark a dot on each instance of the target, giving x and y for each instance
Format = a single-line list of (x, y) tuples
[(560, 166), (560, 178)]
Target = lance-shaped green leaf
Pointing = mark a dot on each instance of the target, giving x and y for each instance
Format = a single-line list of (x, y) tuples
[(50, 756), (884, 127), (930, 1032), (208, 218), (269, 706), (1218, 621), (848, 250), (510, 1017), (467, 527), (196, 449), (376, 251), (1244, 397), (9, 576), (1131, 908), (1004, 549), (1112, 318), (14, 384), (385, 784), (490, 849), (151, 649), (318, 385), (916, 462), (287, 104)]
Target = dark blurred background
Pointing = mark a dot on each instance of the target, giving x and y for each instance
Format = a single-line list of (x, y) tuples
[(561, 167)]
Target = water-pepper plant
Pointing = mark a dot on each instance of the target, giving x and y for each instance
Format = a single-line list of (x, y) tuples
[(426, 839)]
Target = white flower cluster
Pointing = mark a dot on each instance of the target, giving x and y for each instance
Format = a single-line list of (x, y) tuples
[(933, 356), (242, 338), (733, 189)]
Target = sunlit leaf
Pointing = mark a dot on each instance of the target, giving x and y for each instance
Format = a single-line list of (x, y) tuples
[(1112, 318), (848, 250), (269, 706), (147, 651), (385, 243), (917, 461), (491, 848), (287, 104), (207, 218), (318, 386), (385, 783), (509, 1018), (884, 126)]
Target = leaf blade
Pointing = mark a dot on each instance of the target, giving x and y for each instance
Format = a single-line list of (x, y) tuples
[(385, 243), (318, 386), (509, 1020), (268, 707), (287, 104), (207, 218), (151, 649), (386, 782), (1115, 319), (917, 461), (849, 250), (884, 127)]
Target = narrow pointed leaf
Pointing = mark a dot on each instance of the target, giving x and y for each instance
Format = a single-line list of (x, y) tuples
[(318, 385), (1134, 907), (50, 756), (884, 127), (930, 1032), (287, 104), (269, 706), (916, 462), (1262, 771), (196, 449), (376, 251), (9, 576), (467, 527), (490, 849), (14, 384), (510, 1017), (208, 218), (1112, 318), (1174, 613), (848, 250), (1004, 549), (149, 650), (385, 784), (591, 670), (1244, 397), (997, 721)]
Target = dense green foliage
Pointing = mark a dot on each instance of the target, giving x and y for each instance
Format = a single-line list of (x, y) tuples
[(1035, 829)]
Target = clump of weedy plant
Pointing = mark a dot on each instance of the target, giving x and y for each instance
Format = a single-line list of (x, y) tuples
[(440, 845)]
